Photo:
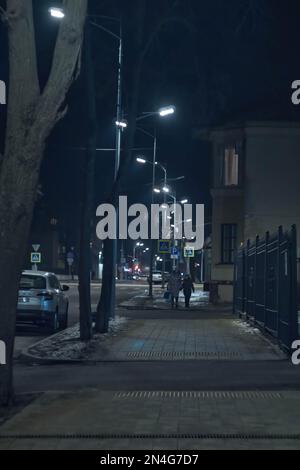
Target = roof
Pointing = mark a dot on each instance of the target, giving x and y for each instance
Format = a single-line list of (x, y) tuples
[(278, 113), (37, 273)]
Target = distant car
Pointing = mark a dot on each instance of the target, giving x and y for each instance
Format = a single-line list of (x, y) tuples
[(157, 277), (42, 301)]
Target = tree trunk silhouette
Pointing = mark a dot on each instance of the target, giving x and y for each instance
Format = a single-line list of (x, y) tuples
[(31, 116)]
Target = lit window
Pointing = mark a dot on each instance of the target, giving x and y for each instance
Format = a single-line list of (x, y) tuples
[(231, 167)]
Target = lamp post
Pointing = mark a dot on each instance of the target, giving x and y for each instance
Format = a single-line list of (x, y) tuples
[(163, 112), (167, 191), (155, 190), (58, 13)]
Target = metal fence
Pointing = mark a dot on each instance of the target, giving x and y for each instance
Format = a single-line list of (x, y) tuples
[(265, 287)]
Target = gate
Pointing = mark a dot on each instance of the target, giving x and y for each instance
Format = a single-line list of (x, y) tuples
[(265, 287)]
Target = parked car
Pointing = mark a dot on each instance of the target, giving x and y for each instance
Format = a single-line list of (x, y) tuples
[(157, 277), (42, 301)]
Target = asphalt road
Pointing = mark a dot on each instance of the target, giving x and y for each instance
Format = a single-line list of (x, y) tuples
[(27, 335), (147, 376)]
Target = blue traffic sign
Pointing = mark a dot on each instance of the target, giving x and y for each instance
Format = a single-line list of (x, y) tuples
[(36, 258), (164, 247)]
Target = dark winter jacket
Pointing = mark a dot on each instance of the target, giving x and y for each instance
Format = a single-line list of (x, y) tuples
[(188, 286)]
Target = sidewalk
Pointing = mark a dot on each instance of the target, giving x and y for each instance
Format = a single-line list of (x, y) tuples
[(175, 416), (198, 301), (179, 335), (164, 420)]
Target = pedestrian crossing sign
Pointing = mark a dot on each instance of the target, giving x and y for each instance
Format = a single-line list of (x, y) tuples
[(189, 252), (36, 258), (164, 247)]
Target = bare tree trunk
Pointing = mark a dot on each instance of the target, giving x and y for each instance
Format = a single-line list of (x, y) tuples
[(31, 118), (15, 220)]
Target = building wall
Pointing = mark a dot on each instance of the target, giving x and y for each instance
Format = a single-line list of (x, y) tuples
[(228, 207), (272, 180), (269, 192)]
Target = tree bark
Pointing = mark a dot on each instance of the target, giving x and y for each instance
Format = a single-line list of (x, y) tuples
[(31, 117)]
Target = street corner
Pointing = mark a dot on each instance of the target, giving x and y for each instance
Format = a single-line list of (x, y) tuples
[(66, 347)]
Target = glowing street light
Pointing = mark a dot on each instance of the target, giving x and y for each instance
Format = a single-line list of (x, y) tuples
[(122, 124), (141, 160), (168, 111), (157, 191), (57, 13), (184, 201), (166, 189)]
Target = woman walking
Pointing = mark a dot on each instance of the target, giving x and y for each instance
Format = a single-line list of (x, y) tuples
[(174, 287)]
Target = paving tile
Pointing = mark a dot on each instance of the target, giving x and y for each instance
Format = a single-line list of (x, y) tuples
[(223, 336)]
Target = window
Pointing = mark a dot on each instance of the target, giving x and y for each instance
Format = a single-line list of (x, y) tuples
[(229, 243), (32, 282), (231, 167), (54, 283)]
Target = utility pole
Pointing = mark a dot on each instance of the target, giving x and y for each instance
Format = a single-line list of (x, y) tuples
[(152, 203), (87, 196), (106, 305), (112, 306)]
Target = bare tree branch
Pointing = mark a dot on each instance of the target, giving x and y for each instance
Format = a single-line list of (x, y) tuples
[(66, 60)]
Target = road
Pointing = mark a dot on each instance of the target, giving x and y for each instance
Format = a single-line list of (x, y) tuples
[(28, 335), (164, 375)]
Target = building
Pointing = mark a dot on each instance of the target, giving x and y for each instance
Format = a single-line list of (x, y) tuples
[(255, 189)]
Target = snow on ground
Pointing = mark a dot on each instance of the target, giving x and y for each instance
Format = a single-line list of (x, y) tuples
[(67, 345), (246, 328)]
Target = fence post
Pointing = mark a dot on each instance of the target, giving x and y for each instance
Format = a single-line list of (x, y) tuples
[(255, 276), (235, 281), (266, 278), (294, 286), (279, 278), (247, 279)]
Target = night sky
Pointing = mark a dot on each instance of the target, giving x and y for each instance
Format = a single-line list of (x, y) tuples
[(216, 61)]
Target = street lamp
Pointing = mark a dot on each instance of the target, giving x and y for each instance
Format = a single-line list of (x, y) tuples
[(120, 125), (144, 161), (57, 13), (163, 112), (167, 111)]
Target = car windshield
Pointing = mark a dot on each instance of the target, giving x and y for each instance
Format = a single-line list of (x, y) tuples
[(32, 282)]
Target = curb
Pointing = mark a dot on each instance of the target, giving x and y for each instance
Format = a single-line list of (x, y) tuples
[(26, 357)]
